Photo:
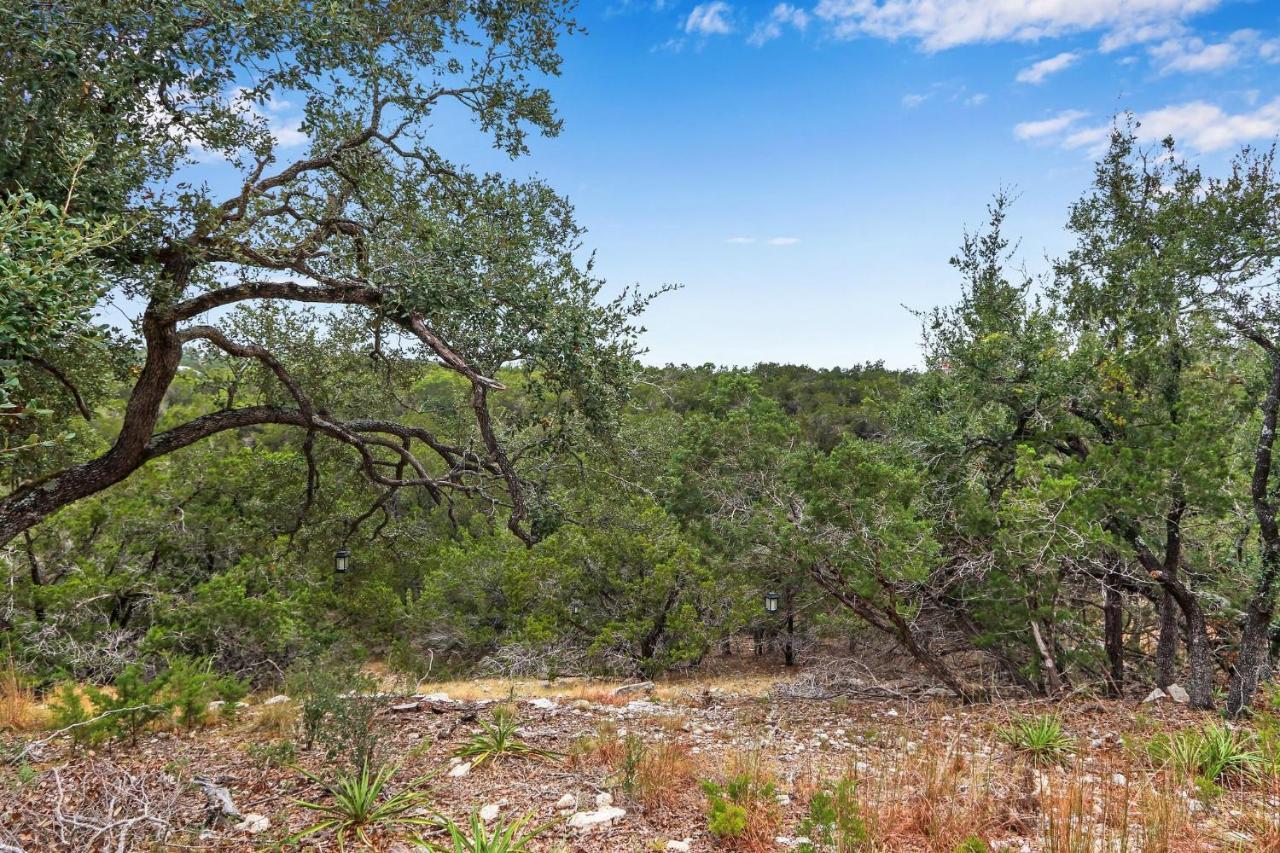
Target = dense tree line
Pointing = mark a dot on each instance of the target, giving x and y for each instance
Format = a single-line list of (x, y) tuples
[(372, 349)]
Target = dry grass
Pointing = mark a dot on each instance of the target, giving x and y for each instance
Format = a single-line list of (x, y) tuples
[(20, 711), (748, 781), (600, 691), (666, 777), (602, 748), (279, 720)]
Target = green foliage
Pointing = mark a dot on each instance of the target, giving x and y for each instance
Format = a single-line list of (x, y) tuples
[(502, 836), (972, 844), (725, 818), (360, 801), (190, 685), (834, 822), (634, 751), (137, 699), (497, 740), (277, 754), (338, 711), (1214, 753), (734, 805), (1041, 738)]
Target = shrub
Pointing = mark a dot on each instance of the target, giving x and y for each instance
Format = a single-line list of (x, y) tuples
[(191, 685), (725, 819), (834, 822), (136, 699), (744, 808), (1039, 737), (337, 712), (120, 713)]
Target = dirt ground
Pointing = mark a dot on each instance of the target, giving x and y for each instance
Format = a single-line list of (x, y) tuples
[(929, 774)]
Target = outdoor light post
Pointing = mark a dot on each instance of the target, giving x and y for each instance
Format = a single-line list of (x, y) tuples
[(341, 561), (771, 601)]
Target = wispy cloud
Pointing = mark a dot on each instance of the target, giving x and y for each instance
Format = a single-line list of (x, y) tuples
[(1190, 54), (1040, 71), (741, 241), (1198, 125), (783, 241), (783, 15), (953, 92), (941, 24), (709, 19), (1030, 130)]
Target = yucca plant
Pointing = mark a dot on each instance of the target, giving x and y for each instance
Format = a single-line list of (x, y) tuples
[(1213, 753), (498, 739), (358, 805), (1041, 737), (475, 837)]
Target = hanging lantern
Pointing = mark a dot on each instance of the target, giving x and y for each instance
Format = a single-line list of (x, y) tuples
[(341, 561), (771, 600)]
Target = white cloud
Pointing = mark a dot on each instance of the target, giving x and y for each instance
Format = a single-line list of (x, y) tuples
[(741, 241), (709, 19), (783, 15), (783, 241), (1139, 33), (911, 100), (977, 99), (273, 113), (1193, 54), (940, 24), (1029, 130), (1198, 125), (1040, 71), (1208, 127)]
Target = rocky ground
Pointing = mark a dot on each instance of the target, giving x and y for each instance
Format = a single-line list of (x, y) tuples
[(626, 768)]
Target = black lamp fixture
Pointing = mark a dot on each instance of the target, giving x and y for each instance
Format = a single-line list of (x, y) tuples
[(341, 561), (771, 600)]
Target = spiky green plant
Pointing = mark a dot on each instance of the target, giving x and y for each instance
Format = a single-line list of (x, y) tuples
[(498, 739), (475, 837), (358, 804), (1041, 737), (1213, 753)]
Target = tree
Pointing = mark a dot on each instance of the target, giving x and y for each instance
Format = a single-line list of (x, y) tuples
[(868, 544), (1234, 241), (435, 264)]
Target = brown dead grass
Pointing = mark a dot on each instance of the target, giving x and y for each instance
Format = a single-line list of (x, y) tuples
[(667, 776), (20, 711)]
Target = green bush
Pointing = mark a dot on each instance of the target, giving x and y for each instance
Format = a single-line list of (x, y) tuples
[(137, 699), (732, 805), (338, 710), (834, 822)]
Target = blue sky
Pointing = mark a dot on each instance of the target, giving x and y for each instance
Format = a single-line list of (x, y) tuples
[(804, 170)]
